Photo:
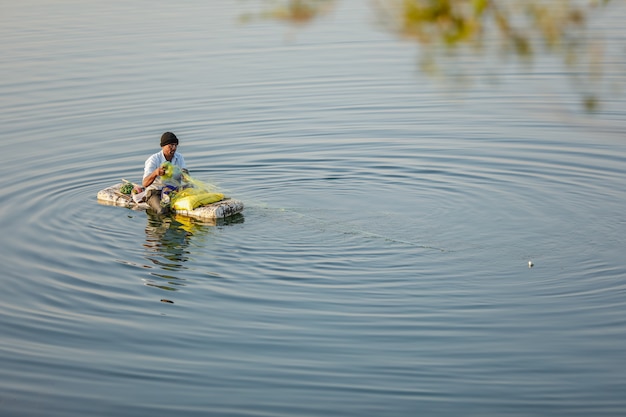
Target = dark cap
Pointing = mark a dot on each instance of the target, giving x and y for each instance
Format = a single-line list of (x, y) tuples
[(167, 138)]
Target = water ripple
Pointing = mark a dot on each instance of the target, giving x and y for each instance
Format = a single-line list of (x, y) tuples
[(380, 265)]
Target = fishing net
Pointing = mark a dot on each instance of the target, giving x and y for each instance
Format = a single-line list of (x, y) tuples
[(187, 193)]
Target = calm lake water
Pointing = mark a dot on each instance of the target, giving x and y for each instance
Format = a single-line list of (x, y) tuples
[(380, 267)]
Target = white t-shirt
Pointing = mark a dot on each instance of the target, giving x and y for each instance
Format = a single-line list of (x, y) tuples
[(158, 159)]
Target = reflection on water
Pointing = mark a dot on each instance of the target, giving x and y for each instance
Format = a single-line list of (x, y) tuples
[(166, 247), (453, 35), (167, 244), (168, 236), (295, 11)]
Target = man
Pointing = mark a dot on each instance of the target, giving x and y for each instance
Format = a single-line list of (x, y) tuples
[(153, 170)]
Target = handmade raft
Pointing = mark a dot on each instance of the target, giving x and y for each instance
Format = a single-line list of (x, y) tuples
[(219, 210)]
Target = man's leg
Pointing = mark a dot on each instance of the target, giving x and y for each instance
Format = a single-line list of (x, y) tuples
[(154, 201)]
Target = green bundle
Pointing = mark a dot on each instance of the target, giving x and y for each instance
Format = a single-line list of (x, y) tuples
[(170, 170), (126, 188)]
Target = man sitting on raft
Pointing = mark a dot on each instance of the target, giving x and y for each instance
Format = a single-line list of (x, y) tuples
[(154, 170)]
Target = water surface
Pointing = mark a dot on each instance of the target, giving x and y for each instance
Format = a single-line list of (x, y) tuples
[(380, 266)]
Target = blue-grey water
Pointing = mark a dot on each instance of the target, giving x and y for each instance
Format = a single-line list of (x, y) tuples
[(380, 267)]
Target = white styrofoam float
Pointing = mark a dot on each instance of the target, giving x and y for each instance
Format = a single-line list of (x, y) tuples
[(218, 210)]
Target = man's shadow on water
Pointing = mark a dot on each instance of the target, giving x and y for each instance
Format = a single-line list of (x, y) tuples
[(167, 241)]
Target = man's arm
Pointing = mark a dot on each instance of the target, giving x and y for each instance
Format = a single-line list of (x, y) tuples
[(151, 171), (147, 181)]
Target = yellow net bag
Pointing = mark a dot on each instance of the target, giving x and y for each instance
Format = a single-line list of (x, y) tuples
[(195, 195), (192, 198)]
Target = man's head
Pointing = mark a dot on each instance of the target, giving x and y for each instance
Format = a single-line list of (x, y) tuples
[(169, 143), (167, 138)]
